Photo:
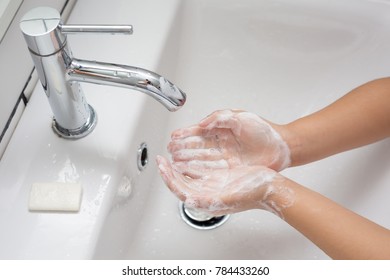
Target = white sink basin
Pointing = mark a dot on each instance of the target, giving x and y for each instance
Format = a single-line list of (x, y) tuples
[(104, 163), (279, 59)]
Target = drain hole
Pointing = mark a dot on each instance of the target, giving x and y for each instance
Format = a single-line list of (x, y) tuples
[(199, 220), (142, 157)]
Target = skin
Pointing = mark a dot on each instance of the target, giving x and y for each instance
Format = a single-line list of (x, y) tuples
[(359, 118), (241, 176), (237, 137)]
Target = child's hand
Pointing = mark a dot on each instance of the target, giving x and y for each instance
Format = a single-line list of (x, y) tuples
[(233, 138), (221, 191)]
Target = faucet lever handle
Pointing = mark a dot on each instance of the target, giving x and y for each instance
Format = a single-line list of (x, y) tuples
[(91, 28)]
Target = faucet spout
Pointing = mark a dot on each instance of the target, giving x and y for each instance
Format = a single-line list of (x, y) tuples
[(60, 73), (136, 78)]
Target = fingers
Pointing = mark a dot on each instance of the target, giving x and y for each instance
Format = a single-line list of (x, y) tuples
[(172, 179), (220, 119), (219, 114), (187, 132), (191, 193), (185, 169), (192, 138), (196, 169), (207, 134), (226, 119), (215, 189), (190, 142), (197, 154)]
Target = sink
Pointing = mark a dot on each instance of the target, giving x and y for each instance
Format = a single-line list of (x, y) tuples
[(279, 59), (105, 163)]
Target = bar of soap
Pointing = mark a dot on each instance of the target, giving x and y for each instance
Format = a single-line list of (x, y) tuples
[(64, 197)]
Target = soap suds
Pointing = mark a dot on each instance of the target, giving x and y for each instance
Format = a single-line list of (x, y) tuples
[(286, 198), (240, 137)]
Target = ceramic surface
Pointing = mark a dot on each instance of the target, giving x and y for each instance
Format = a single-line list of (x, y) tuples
[(279, 59)]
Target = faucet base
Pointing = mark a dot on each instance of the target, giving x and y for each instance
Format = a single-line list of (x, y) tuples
[(78, 133)]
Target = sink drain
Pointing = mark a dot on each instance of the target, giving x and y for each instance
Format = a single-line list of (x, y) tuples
[(200, 220), (142, 157)]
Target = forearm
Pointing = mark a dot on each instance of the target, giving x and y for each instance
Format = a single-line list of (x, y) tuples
[(340, 233), (359, 118)]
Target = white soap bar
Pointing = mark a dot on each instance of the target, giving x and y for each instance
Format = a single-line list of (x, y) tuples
[(55, 197)]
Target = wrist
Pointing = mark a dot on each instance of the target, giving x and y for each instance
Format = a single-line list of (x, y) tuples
[(278, 196), (293, 142)]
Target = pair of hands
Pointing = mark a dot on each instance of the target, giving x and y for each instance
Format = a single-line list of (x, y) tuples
[(227, 163)]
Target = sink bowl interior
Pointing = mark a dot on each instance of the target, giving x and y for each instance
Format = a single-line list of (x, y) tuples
[(105, 163), (281, 60)]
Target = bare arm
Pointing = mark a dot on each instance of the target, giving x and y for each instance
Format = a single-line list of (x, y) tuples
[(227, 164), (359, 118), (339, 232)]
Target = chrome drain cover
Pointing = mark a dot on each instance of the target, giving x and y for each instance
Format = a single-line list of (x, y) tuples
[(200, 220)]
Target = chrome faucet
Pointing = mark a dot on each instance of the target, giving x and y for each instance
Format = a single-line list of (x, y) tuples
[(60, 73)]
